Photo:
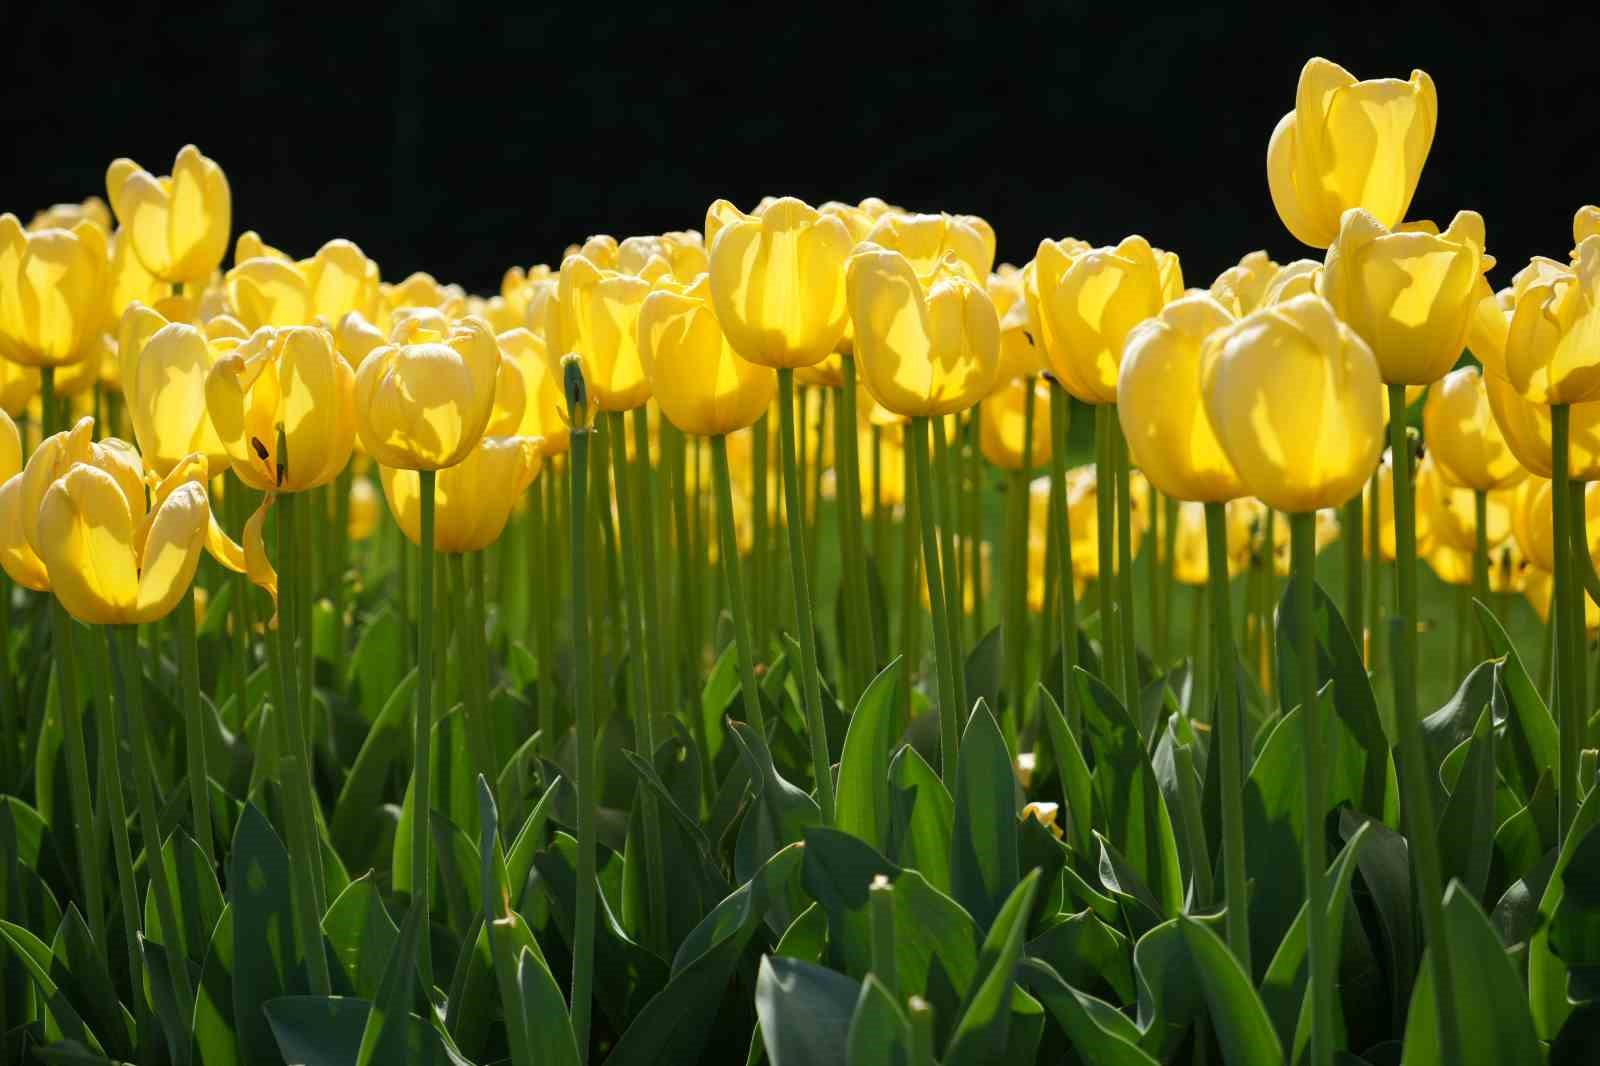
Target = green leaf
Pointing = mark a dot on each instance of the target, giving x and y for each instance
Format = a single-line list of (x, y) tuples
[(983, 670), (213, 1039), (862, 802), (361, 933), (544, 1014), (1575, 927), (1099, 1032), (197, 896), (779, 817), (1467, 824), (880, 1032), (80, 972), (386, 743), (383, 1036), (1077, 784), (923, 817), (1129, 798), (721, 688), (983, 851), (1385, 868), (379, 662), (980, 1034), (1237, 1016), (62, 1018), (1086, 951), (327, 1031), (1530, 728), (267, 960), (1491, 1010), (805, 1012)]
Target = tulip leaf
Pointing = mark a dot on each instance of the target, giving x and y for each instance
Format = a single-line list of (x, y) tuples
[(980, 1033), (805, 1012), (1098, 1031), (385, 744), (328, 1030), (983, 849), (862, 805), (1466, 826), (62, 1019), (1238, 1018), (1530, 728), (361, 934), (1077, 784), (81, 975), (880, 1031), (1090, 952), (214, 1040), (923, 817), (983, 668), (267, 956)]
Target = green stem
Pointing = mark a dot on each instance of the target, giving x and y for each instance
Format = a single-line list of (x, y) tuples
[(1480, 564), (1352, 522), (949, 707), (880, 894), (235, 505), (1417, 806), (910, 608), (1229, 741), (475, 673), (193, 727), (760, 540), (1125, 640), (1106, 545), (77, 758), (849, 465), (969, 494), (538, 616), (1060, 420), (1156, 555), (950, 560), (583, 652), (1320, 959), (811, 683), (1016, 634), (125, 651), (1374, 642), (1579, 567), (1194, 825), (728, 553), (422, 725)]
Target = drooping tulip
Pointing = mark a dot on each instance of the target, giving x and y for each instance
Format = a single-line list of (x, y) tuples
[(598, 317), (701, 383), (473, 498), (1168, 431), (179, 224), (1409, 294), (927, 346), (1295, 400), (1089, 300), (1004, 427), (777, 281), (1463, 436), (422, 400), (290, 380), (52, 292), (1349, 143), (1553, 341), (1527, 430)]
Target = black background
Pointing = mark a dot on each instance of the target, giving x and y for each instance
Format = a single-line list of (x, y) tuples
[(460, 140)]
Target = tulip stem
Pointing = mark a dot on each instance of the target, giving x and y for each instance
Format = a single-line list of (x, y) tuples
[(811, 683), (422, 728), (738, 606), (193, 729), (1015, 634), (910, 608), (950, 560), (1319, 985), (8, 693), (1580, 572), (468, 606), (949, 707), (857, 581), (1352, 523), (1229, 741), (760, 538), (1125, 639), (1105, 543), (124, 644), (1417, 805), (233, 503), (583, 702), (1060, 423), (1480, 564), (1561, 620)]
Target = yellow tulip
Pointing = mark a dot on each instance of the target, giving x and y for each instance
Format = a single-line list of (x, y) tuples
[(1295, 400), (66, 216), (1422, 517), (473, 497), (10, 448), (1295, 278), (1552, 354), (1158, 402), (777, 281), (18, 386), (1349, 143), (1089, 300), (98, 365), (1527, 431), (1251, 513), (1452, 511), (701, 383), (1585, 223), (1532, 527), (1083, 522), (418, 290), (517, 289), (598, 317), (355, 336), (1020, 355), (1190, 564), (1539, 588), (1004, 426), (288, 379), (828, 374), (128, 281), (927, 346), (52, 292), (926, 241), (543, 405), (422, 400), (1463, 436), (164, 370), (363, 510), (1410, 295), (179, 224), (683, 251), (1243, 288), (338, 280)]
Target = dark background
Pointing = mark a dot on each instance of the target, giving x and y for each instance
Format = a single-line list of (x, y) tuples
[(454, 139)]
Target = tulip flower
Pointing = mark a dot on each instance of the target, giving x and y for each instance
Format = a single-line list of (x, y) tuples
[(1410, 295), (523, 359), (1159, 404), (68, 215), (422, 400), (178, 225), (18, 386), (683, 252), (418, 291), (269, 290), (1349, 143), (1463, 437), (1004, 429), (1551, 355), (290, 380), (518, 289), (1294, 398), (1530, 521), (1020, 354), (1528, 433), (1585, 223), (1189, 560), (926, 241), (474, 497), (1452, 514), (701, 383), (363, 510), (777, 281), (1089, 300), (1538, 586), (1083, 487), (598, 317), (164, 370), (927, 346), (52, 292), (1243, 288)]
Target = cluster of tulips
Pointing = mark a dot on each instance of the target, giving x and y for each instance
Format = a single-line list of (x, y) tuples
[(649, 437)]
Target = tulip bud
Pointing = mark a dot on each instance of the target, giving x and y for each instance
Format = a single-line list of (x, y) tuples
[(422, 401), (927, 346), (178, 224), (1159, 406), (777, 281), (1349, 144), (578, 413), (1463, 436), (1410, 295), (1296, 402), (52, 292)]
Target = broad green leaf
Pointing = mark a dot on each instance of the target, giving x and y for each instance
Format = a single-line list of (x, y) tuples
[(544, 1014), (267, 958), (386, 742), (361, 934), (862, 802), (805, 1012), (213, 1039), (1575, 926), (1077, 784), (197, 896), (880, 1031), (383, 1037), (1547, 974), (980, 1034), (79, 969), (1237, 1016), (1384, 862), (983, 668), (1467, 821), (327, 1031), (62, 1018), (983, 851), (1086, 951), (379, 662), (923, 817), (1101, 1034), (1531, 730)]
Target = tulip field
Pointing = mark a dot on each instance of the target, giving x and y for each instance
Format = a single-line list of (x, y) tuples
[(802, 639)]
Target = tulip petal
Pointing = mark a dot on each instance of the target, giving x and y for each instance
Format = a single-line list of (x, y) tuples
[(86, 543)]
